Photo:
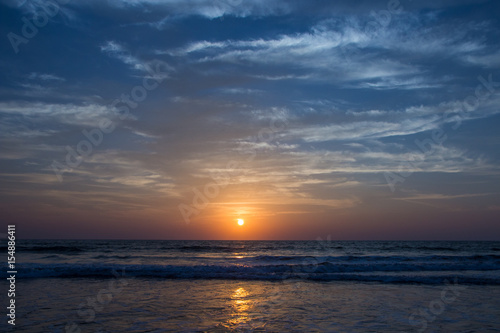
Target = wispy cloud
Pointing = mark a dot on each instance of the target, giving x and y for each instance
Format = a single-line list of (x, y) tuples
[(491, 60), (119, 52), (45, 77), (83, 115), (343, 51), (364, 130), (214, 9)]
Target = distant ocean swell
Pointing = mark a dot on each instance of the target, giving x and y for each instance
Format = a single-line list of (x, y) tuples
[(431, 262), (473, 259), (220, 248), (480, 273)]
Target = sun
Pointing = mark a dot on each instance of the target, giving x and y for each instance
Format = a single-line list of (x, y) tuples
[(241, 222)]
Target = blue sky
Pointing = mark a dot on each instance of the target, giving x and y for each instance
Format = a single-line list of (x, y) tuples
[(359, 119)]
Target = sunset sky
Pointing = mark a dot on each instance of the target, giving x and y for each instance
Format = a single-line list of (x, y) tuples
[(172, 119)]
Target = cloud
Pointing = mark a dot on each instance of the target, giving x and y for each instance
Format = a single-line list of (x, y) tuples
[(403, 83), (320, 52), (70, 114), (45, 77), (155, 69), (363, 130), (213, 8), (440, 196), (53, 10), (491, 60), (119, 52), (342, 50)]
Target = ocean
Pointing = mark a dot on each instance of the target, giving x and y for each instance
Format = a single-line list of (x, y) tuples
[(256, 286)]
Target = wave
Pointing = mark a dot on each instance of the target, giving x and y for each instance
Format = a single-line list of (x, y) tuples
[(101, 256), (420, 248), (56, 248), (437, 248), (52, 256), (479, 273), (365, 258), (204, 248)]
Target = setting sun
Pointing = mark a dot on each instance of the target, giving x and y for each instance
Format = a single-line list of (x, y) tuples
[(241, 222)]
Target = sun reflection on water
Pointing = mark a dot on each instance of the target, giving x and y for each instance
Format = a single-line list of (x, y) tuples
[(239, 255), (241, 304)]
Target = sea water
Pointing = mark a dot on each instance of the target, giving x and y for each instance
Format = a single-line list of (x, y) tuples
[(262, 286)]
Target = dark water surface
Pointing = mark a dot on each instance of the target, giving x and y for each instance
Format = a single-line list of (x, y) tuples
[(266, 286)]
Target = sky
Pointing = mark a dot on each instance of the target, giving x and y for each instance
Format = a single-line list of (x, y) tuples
[(348, 120)]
